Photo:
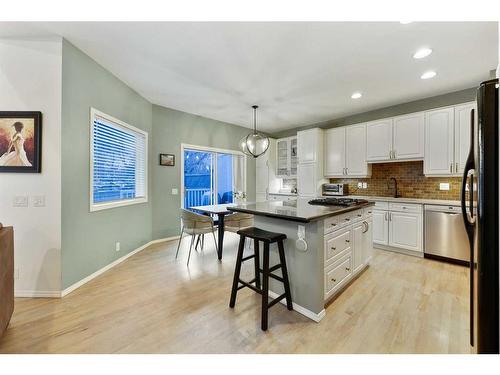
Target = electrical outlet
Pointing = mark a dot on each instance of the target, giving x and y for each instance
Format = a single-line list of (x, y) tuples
[(365, 185), (39, 201), (444, 186), (175, 191), (117, 246), (360, 185), (20, 201)]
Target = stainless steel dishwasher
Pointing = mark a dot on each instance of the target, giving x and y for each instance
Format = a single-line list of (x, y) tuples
[(445, 235)]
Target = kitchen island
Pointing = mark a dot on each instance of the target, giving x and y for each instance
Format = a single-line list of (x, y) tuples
[(326, 247)]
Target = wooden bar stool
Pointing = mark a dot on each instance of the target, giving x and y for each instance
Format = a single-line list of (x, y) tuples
[(268, 238)]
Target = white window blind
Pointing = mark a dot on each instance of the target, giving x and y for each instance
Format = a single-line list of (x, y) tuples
[(118, 163)]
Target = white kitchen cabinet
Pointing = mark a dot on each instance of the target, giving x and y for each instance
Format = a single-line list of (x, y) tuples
[(355, 159), (379, 140), (310, 166), (367, 240), (335, 152), (345, 152), (439, 142), (405, 230), (408, 136), (380, 228), (306, 180), (462, 134), (286, 157), (265, 173)]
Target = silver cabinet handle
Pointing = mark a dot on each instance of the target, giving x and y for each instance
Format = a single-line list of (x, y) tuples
[(334, 280), (451, 167), (347, 171), (347, 241), (347, 269), (394, 154), (385, 216), (390, 216), (456, 167), (334, 248)]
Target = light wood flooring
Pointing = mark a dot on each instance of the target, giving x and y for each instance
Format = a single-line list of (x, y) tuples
[(152, 303)]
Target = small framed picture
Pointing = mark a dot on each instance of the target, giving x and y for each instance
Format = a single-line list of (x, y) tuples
[(167, 160), (20, 142)]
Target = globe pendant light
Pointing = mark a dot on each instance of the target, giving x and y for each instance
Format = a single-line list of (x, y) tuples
[(254, 144)]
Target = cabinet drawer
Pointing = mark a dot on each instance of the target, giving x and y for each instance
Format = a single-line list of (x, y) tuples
[(382, 205), (336, 243), (405, 207), (367, 212), (337, 275), (331, 224)]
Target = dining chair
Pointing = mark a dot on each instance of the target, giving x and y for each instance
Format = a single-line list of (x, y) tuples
[(238, 221), (195, 224)]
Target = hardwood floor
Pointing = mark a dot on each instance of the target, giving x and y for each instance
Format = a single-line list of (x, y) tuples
[(153, 303)]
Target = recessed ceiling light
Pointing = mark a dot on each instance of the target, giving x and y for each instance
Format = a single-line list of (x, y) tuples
[(429, 74), (422, 52), (356, 95), (405, 22)]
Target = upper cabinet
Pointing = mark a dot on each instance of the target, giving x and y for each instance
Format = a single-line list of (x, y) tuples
[(408, 136), (379, 140), (310, 162), (447, 140), (398, 138), (286, 157), (345, 152)]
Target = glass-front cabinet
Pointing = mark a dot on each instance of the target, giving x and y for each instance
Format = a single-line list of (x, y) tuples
[(286, 163)]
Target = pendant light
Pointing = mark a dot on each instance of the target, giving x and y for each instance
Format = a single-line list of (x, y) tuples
[(254, 144)]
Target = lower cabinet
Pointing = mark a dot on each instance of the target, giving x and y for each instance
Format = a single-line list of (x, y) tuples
[(348, 246), (399, 226)]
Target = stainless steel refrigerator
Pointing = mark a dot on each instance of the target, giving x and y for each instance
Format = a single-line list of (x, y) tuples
[(480, 190)]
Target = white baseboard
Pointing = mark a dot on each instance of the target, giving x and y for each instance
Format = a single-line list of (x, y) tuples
[(302, 310), (37, 293), (419, 254), (78, 284)]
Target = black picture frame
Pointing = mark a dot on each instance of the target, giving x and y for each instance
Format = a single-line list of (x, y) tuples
[(167, 160), (36, 165)]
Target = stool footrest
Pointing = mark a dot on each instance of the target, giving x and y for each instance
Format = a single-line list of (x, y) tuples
[(248, 285), (276, 300), (275, 277), (248, 257)]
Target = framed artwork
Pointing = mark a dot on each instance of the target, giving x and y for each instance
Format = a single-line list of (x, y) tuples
[(20, 142), (167, 160)]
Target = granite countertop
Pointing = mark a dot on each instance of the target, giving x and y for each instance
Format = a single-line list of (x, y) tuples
[(296, 210), (440, 202)]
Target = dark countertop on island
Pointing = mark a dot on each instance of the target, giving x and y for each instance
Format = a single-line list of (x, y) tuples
[(296, 210)]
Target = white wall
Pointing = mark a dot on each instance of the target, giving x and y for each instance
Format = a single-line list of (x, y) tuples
[(30, 80)]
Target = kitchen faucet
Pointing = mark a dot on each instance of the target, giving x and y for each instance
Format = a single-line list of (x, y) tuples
[(395, 186)]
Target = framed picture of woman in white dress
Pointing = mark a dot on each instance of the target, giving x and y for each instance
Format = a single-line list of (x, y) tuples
[(20, 142)]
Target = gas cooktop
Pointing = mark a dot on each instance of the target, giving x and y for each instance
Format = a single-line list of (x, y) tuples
[(345, 202)]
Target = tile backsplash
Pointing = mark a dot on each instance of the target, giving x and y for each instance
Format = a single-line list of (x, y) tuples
[(411, 182)]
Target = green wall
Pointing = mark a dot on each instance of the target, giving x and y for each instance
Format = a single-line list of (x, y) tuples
[(88, 238), (170, 129), (451, 98)]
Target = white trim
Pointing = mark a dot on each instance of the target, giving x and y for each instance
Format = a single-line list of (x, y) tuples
[(112, 264), (302, 310), (37, 294), (125, 202), (209, 149)]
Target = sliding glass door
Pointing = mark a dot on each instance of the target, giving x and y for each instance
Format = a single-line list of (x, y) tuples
[(212, 177)]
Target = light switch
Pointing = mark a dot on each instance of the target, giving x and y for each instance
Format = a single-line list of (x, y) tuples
[(39, 201), (360, 185), (444, 186), (20, 201), (175, 191)]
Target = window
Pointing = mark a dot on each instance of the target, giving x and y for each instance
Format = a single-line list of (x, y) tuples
[(118, 163)]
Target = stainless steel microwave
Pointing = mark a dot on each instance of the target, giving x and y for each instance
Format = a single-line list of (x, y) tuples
[(335, 189)]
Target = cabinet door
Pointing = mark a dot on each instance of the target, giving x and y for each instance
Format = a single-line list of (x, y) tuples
[(294, 160), (335, 152), (355, 155), (408, 136), (378, 140), (405, 230), (307, 144), (462, 135), (259, 197), (306, 180), (380, 227), (282, 158), (261, 180), (439, 142), (357, 234), (367, 239)]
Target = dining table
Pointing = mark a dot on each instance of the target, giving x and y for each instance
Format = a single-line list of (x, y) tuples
[(219, 210)]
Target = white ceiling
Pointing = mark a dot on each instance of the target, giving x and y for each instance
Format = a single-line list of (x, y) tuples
[(298, 73)]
